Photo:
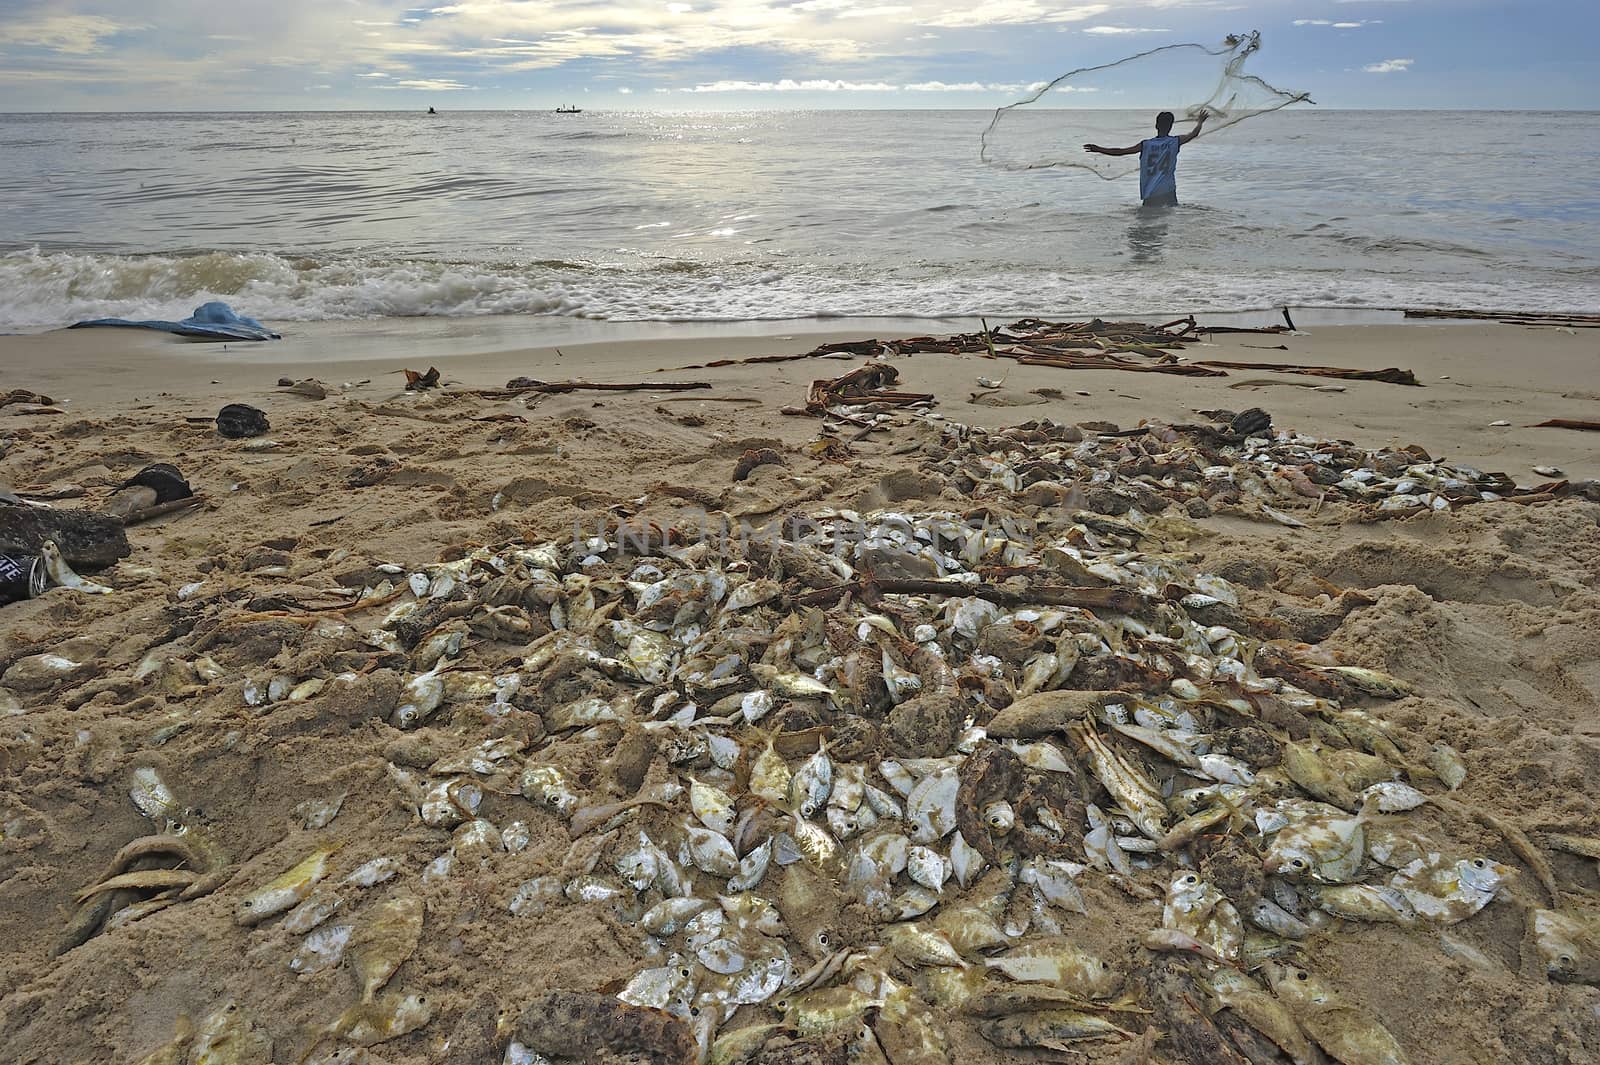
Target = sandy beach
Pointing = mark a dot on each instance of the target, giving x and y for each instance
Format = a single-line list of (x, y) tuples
[(1489, 615)]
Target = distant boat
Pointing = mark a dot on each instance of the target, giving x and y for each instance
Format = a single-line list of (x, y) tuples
[(431, 111), (572, 109)]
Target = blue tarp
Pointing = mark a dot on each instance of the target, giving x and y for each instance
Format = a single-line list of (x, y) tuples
[(210, 321)]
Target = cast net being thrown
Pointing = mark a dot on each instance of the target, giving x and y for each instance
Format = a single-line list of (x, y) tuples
[(1114, 105)]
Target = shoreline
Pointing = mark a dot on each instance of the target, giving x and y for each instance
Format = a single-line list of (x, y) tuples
[(1319, 315), (1474, 374)]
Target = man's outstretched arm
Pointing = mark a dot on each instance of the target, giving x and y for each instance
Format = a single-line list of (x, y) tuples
[(1193, 133), (1096, 149)]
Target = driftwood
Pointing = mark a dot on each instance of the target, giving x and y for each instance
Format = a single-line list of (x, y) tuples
[(520, 385), (864, 384), (1586, 321), (22, 395), (1567, 423), (1219, 330), (1391, 375), (87, 539), (1111, 362)]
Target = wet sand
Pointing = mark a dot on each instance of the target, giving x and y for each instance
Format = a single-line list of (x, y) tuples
[(1492, 613)]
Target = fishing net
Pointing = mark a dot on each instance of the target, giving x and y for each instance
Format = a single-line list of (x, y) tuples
[(1114, 105)]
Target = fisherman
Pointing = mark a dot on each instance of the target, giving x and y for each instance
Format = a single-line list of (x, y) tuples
[(1158, 160)]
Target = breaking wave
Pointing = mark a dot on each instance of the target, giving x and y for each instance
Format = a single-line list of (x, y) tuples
[(49, 289)]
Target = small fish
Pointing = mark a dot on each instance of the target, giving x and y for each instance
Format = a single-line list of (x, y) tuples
[(61, 575), (928, 868), (916, 945), (384, 938), (1448, 891), (1050, 1030), (1325, 848), (1447, 765), (286, 891), (322, 949), (931, 806), (152, 797), (387, 1017), (1252, 1004), (1568, 943), (313, 911), (666, 917), (1366, 902), (1058, 961), (811, 784), (228, 1036), (713, 806), (752, 867), (738, 1048), (547, 786), (770, 774), (1393, 797), (820, 850), (710, 851), (1346, 1032), (965, 862), (970, 930)]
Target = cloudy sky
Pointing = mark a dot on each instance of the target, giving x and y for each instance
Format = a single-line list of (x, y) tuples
[(112, 55)]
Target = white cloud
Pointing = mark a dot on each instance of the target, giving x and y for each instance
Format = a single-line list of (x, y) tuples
[(429, 85), (1389, 66), (66, 34), (1112, 30), (1013, 12), (624, 90), (790, 85), (1351, 25), (373, 74)]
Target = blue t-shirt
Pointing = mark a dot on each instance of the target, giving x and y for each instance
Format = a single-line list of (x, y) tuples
[(1158, 168)]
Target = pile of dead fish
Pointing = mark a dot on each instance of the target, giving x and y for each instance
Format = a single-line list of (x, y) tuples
[(863, 780)]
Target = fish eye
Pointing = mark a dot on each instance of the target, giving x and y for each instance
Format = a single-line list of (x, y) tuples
[(683, 972), (1302, 975), (1298, 863), (1478, 863), (694, 1011), (1190, 879), (1565, 960), (823, 939)]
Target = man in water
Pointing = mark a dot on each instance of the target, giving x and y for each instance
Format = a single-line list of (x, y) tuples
[(1158, 160)]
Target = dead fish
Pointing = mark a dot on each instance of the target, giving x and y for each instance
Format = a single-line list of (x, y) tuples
[(322, 949), (1569, 944), (389, 1016), (1253, 1005), (383, 940), (1346, 1032), (286, 891), (1447, 765), (1058, 961), (228, 1036), (1049, 1030), (61, 575)]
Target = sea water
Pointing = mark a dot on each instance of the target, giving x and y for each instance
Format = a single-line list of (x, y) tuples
[(779, 214)]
